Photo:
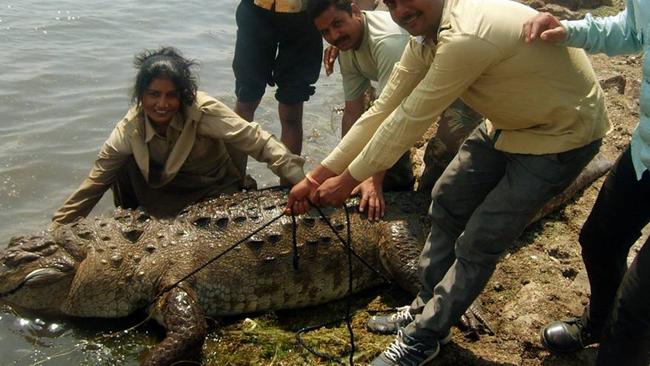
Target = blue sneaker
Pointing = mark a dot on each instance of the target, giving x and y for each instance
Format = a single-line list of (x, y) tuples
[(408, 351)]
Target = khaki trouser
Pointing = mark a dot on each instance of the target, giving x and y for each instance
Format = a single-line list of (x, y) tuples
[(132, 191)]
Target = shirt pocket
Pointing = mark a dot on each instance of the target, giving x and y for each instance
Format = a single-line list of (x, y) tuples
[(202, 148)]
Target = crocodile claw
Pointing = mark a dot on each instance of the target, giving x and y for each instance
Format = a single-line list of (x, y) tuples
[(474, 323)]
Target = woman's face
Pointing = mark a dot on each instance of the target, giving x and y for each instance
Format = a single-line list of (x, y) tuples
[(161, 101)]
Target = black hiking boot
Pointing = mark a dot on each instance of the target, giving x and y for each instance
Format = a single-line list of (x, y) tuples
[(568, 335)]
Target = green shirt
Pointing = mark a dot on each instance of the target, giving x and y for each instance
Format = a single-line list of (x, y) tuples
[(381, 48)]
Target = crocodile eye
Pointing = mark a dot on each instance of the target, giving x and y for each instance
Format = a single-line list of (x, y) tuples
[(15, 241), (38, 245), (14, 259)]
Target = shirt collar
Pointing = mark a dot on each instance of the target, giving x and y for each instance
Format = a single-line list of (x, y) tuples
[(150, 131), (364, 39)]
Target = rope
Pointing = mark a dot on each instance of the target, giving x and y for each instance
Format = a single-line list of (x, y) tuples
[(348, 316), (294, 227), (233, 246), (345, 244), (193, 272), (348, 297), (350, 252)]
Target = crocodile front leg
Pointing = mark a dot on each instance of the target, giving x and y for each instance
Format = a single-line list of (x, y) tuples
[(179, 312)]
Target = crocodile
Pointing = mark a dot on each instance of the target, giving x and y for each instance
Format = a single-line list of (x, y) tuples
[(211, 261), (112, 267)]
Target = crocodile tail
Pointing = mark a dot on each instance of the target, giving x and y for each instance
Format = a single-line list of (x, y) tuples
[(400, 247), (594, 170)]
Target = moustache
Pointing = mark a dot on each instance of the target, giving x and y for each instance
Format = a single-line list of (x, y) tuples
[(337, 42), (407, 18)]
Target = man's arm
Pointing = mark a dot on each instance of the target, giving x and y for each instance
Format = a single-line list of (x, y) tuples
[(613, 35), (458, 63), (405, 76)]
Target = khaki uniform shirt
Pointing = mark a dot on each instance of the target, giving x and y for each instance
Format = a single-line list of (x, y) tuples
[(283, 6), (195, 148), (541, 98)]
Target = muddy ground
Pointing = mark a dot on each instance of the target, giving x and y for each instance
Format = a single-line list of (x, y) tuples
[(542, 278)]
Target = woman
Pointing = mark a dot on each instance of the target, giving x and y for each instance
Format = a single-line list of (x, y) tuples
[(175, 146)]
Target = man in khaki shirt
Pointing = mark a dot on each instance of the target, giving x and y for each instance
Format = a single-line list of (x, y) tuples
[(545, 120), (369, 44)]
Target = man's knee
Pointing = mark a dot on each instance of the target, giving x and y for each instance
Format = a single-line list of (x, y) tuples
[(249, 92), (291, 95)]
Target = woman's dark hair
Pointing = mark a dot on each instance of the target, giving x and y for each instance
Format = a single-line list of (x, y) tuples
[(166, 63)]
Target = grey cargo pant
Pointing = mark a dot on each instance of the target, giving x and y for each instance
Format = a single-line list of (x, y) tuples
[(482, 202)]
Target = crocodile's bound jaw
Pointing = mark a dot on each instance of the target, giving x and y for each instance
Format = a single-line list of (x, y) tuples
[(35, 273)]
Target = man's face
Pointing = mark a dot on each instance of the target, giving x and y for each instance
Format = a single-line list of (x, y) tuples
[(418, 17), (341, 29)]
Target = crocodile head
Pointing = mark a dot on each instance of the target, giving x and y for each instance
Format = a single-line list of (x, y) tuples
[(36, 272)]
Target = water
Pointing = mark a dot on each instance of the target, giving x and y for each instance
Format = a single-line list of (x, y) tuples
[(65, 82)]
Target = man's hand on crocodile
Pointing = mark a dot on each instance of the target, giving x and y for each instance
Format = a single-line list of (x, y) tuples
[(297, 202), (334, 191), (302, 194), (372, 197)]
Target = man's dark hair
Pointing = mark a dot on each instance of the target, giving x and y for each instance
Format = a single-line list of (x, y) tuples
[(317, 7), (166, 63)]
